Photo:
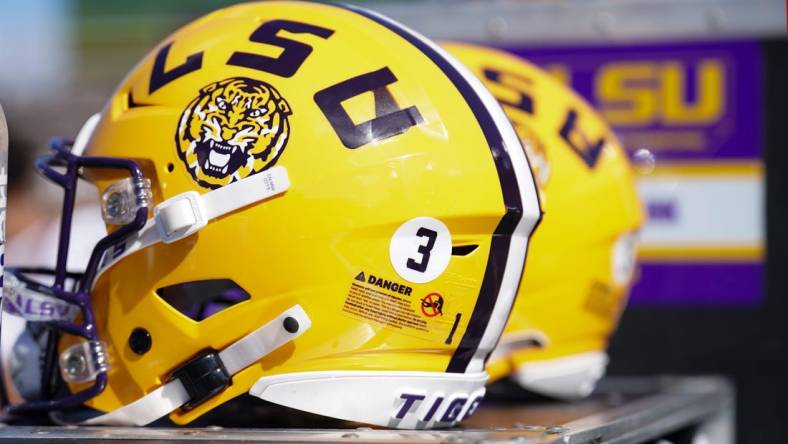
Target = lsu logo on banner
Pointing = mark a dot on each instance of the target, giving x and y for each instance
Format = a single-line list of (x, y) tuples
[(646, 93)]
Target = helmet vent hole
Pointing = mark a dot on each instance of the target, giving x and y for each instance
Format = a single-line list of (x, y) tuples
[(463, 250), (170, 167), (199, 300)]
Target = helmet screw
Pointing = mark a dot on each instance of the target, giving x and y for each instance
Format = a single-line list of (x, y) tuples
[(140, 341), (76, 364), (114, 204), (290, 324)]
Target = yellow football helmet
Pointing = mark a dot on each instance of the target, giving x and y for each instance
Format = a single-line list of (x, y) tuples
[(304, 201), (582, 256)]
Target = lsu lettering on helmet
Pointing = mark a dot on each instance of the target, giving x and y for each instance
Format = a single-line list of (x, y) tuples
[(306, 202), (582, 256)]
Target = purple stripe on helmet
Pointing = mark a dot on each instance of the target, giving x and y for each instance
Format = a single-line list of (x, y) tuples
[(499, 248)]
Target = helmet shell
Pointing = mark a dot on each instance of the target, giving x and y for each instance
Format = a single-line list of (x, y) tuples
[(377, 129)]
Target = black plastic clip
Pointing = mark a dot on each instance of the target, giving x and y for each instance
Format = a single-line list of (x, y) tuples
[(203, 377)]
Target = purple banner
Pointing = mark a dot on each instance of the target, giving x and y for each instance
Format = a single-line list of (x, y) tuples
[(682, 101), (698, 108), (723, 284)]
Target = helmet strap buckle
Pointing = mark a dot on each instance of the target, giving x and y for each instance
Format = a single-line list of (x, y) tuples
[(203, 377)]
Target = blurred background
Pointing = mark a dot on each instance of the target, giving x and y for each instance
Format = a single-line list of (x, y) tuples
[(695, 89)]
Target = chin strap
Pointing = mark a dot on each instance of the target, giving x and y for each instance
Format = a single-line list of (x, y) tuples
[(183, 215), (214, 371)]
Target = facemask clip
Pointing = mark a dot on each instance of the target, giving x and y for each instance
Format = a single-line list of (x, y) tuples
[(83, 361), (122, 199)]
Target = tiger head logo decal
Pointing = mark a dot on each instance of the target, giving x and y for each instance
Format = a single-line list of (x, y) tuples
[(233, 128)]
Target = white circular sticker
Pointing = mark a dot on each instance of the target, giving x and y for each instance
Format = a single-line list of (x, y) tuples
[(420, 249)]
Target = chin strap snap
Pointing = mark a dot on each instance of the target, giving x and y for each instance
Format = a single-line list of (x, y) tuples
[(209, 373), (183, 215)]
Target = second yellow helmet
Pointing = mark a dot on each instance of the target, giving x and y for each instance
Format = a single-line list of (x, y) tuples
[(582, 256)]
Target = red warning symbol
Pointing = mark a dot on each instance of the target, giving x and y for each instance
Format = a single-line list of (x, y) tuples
[(432, 305)]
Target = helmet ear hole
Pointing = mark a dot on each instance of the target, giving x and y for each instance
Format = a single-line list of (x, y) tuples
[(170, 167)]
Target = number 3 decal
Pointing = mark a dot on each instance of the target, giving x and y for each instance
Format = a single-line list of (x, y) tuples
[(420, 249), (425, 250)]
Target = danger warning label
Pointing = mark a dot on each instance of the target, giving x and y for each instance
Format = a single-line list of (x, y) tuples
[(385, 284), (381, 300)]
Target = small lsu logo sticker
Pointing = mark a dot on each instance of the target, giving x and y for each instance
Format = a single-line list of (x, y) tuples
[(234, 128)]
